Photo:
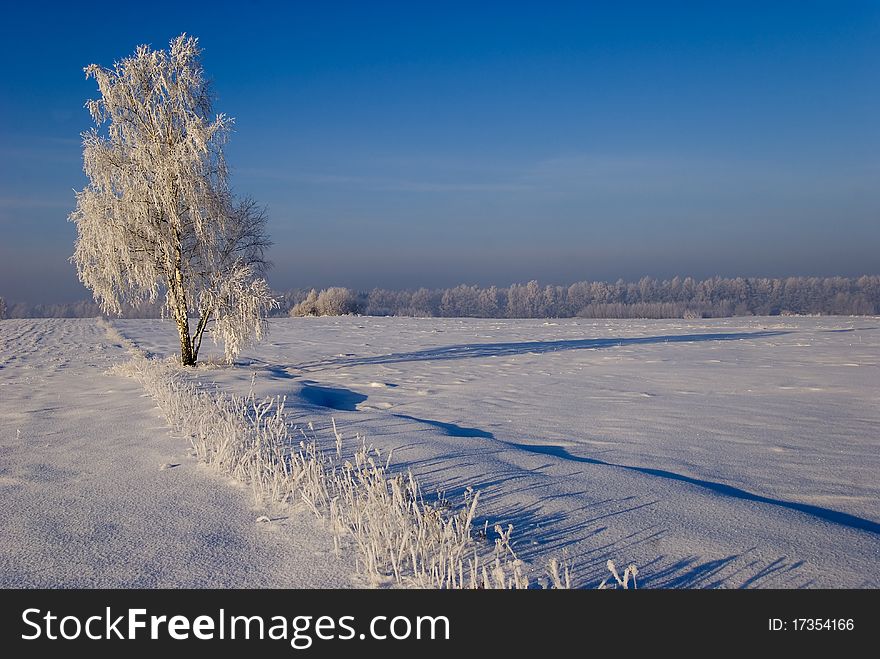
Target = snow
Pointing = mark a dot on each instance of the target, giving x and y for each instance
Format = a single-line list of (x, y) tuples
[(723, 453), (711, 453), (95, 492)]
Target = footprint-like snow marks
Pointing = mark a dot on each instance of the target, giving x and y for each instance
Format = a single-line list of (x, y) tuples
[(827, 514), (335, 398)]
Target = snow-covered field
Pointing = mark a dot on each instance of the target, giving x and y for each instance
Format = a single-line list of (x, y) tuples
[(724, 453), (95, 492)]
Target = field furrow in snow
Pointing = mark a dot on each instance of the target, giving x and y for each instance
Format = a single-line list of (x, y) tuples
[(95, 491)]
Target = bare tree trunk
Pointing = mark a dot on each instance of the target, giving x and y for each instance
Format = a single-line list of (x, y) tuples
[(187, 357), (181, 313), (200, 330)]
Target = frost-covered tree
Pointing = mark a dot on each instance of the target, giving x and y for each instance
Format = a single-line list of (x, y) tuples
[(2, 308), (308, 307), (158, 217), (337, 301)]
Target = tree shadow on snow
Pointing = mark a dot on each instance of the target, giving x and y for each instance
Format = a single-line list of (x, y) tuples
[(565, 529), (450, 429), (471, 350), (827, 514), (692, 572)]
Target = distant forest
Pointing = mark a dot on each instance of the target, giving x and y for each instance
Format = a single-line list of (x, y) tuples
[(647, 298)]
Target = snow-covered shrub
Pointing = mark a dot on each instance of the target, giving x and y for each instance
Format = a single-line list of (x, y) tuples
[(308, 307), (337, 301), (334, 301)]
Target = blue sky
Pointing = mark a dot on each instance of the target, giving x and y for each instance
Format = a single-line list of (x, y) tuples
[(410, 144)]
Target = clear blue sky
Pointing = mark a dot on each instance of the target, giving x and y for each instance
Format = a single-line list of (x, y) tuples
[(408, 144)]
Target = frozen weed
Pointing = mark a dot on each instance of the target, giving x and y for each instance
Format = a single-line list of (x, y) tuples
[(400, 537)]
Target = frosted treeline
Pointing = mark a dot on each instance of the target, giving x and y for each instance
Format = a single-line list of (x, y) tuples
[(647, 298), (78, 309)]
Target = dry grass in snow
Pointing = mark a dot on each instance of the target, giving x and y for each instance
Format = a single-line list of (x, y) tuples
[(400, 538)]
